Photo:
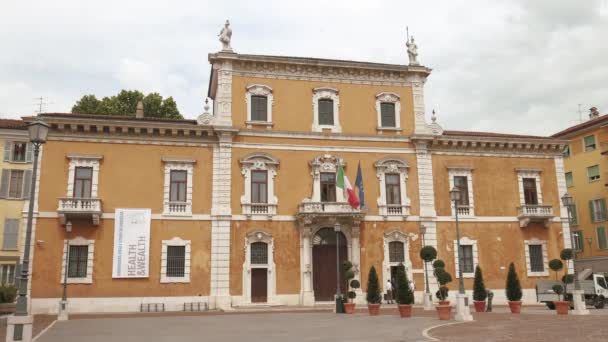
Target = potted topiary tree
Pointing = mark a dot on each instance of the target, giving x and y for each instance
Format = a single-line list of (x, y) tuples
[(405, 297), (349, 275), (373, 293), (427, 254), (561, 306), (479, 291), (513, 290), (443, 277)]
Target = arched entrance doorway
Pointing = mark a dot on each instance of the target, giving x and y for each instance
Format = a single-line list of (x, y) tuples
[(324, 263)]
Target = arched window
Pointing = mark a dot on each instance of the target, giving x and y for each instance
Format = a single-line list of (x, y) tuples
[(395, 251), (259, 253)]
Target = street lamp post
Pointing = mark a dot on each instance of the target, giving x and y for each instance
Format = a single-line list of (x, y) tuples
[(19, 326), (428, 297), (577, 295), (63, 310), (463, 312), (338, 292)]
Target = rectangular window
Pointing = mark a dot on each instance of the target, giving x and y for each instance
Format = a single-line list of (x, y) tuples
[(78, 259), (16, 184), (11, 234), (259, 108), (259, 253), (259, 186), (176, 261), (567, 151), (579, 241), (393, 188), (536, 258), (462, 183), (326, 112), (602, 242), (589, 143), (177, 188), (328, 187), (573, 215), (597, 208), (83, 181), (530, 194), (396, 251), (593, 173), (466, 254), (18, 152), (569, 179), (387, 115), (8, 274)]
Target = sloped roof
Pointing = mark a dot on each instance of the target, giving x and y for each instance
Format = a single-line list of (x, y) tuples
[(114, 117), (602, 119), (492, 135), (12, 124)]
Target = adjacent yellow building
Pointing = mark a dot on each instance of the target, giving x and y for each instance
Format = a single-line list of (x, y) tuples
[(15, 166), (586, 166)]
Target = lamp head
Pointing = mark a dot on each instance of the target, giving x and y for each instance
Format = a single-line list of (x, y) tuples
[(337, 227), (455, 194), (68, 227), (38, 131)]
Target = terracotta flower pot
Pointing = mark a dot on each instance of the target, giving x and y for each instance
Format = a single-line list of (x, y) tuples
[(405, 310), (515, 307), (349, 308), (480, 306), (444, 311), (444, 302), (562, 307), (374, 309)]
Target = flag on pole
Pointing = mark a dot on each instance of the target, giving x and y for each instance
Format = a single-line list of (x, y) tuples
[(343, 183), (359, 185)]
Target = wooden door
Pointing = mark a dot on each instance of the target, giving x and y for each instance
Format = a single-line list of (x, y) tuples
[(259, 285), (324, 271)]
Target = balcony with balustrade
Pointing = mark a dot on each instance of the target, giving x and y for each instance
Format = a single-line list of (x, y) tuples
[(178, 209), (265, 209), (392, 210), (327, 212), (529, 213), (72, 208)]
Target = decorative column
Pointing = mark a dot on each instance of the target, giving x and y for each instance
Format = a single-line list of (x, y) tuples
[(308, 297)]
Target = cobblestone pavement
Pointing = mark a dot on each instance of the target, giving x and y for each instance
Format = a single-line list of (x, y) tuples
[(533, 325), (268, 327)]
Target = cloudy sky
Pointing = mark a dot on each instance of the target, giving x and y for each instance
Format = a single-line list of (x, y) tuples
[(520, 66)]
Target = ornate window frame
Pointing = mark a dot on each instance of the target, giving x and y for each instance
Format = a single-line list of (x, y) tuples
[(79, 241), (393, 165), (388, 97), (468, 172), (259, 161), (265, 237), (465, 241), (83, 160), (324, 163), (396, 235), (331, 94), (176, 241), (529, 173), (543, 243), (261, 90), (177, 209)]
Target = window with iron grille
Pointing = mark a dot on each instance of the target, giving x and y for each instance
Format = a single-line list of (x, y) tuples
[(387, 115), (326, 112), (328, 187), (259, 108), (461, 182), (530, 194), (176, 261), (83, 180), (466, 255), (78, 259), (393, 188), (259, 186), (177, 189), (259, 253), (395, 251), (537, 263)]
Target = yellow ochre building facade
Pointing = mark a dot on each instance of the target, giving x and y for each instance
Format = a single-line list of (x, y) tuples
[(238, 207)]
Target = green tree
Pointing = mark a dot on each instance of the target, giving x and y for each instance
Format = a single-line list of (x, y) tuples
[(404, 293), (513, 290), (556, 265), (479, 288), (125, 104), (373, 287)]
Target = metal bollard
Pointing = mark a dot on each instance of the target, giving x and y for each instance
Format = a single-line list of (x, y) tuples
[(490, 296)]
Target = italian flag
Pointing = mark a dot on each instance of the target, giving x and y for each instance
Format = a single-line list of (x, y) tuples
[(343, 183)]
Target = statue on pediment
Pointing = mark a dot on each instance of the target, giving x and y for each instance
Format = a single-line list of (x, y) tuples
[(225, 36)]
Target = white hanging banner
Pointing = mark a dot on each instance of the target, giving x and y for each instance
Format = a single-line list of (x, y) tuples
[(131, 243)]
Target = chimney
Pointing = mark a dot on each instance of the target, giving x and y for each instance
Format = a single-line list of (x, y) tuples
[(593, 113), (139, 113)]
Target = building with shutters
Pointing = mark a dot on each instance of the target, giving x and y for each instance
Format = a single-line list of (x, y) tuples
[(242, 202), (586, 166), (15, 166)]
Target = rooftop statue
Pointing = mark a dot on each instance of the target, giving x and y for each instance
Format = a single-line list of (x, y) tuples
[(412, 51), (225, 36)]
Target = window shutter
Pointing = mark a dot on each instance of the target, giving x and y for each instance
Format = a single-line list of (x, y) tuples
[(4, 183), (603, 209), (592, 212), (7, 150), (11, 233), (601, 238), (27, 182), (28, 153)]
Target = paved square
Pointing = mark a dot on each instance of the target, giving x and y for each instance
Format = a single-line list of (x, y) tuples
[(243, 327)]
